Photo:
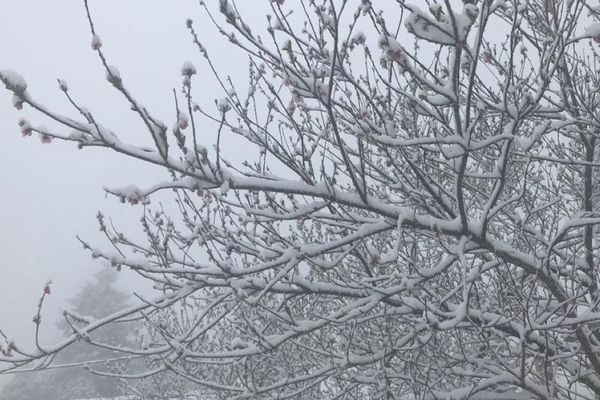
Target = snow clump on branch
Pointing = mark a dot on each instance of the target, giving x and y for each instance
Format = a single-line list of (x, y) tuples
[(13, 81), (188, 69), (96, 43)]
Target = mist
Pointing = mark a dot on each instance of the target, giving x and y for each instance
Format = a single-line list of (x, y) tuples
[(52, 192)]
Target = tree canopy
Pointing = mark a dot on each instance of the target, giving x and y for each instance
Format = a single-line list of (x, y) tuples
[(414, 216)]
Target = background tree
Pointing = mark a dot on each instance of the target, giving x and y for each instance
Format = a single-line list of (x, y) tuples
[(415, 217), (96, 299)]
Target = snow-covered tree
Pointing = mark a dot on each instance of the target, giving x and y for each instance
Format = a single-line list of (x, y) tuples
[(69, 378), (414, 218)]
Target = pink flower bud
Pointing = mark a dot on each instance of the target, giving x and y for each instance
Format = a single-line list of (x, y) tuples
[(26, 131), (17, 102), (182, 121)]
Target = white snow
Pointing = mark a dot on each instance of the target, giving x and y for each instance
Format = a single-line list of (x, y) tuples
[(392, 48), (188, 69), (441, 31), (359, 38), (17, 101), (77, 135), (498, 4), (238, 343), (224, 105), (62, 84), (112, 398), (182, 120), (96, 42), (113, 75), (428, 29), (130, 193), (13, 81), (224, 189), (593, 31), (451, 151), (228, 10)]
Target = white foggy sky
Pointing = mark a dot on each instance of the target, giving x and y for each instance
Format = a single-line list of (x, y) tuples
[(52, 192)]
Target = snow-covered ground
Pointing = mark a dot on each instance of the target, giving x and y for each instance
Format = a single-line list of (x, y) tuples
[(188, 397), (109, 398)]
